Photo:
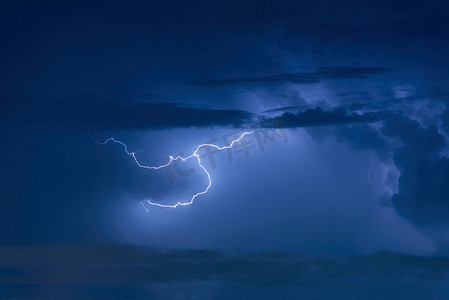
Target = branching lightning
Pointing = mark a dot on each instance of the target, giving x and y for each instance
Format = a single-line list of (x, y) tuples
[(194, 155)]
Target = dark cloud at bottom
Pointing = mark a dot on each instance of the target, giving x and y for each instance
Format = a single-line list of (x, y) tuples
[(125, 264), (134, 272)]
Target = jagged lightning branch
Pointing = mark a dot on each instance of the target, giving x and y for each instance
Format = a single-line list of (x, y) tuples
[(172, 159)]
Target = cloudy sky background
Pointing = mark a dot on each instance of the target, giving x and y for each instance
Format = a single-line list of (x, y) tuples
[(354, 96)]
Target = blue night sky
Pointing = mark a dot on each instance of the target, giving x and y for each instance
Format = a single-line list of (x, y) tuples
[(341, 193)]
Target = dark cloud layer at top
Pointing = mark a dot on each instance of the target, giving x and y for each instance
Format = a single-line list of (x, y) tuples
[(368, 19)]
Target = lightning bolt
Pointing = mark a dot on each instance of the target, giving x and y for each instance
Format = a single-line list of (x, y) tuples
[(172, 159)]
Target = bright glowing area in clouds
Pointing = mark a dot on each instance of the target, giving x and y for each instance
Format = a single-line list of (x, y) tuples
[(194, 155), (308, 211)]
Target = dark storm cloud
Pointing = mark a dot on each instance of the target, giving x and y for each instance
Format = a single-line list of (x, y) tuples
[(302, 78), (122, 264), (423, 194), (321, 117), (94, 112)]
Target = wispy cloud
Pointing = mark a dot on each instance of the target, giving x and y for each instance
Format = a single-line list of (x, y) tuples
[(322, 117), (300, 78), (102, 112)]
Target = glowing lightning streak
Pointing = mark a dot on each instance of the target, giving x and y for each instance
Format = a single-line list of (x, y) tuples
[(172, 159)]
